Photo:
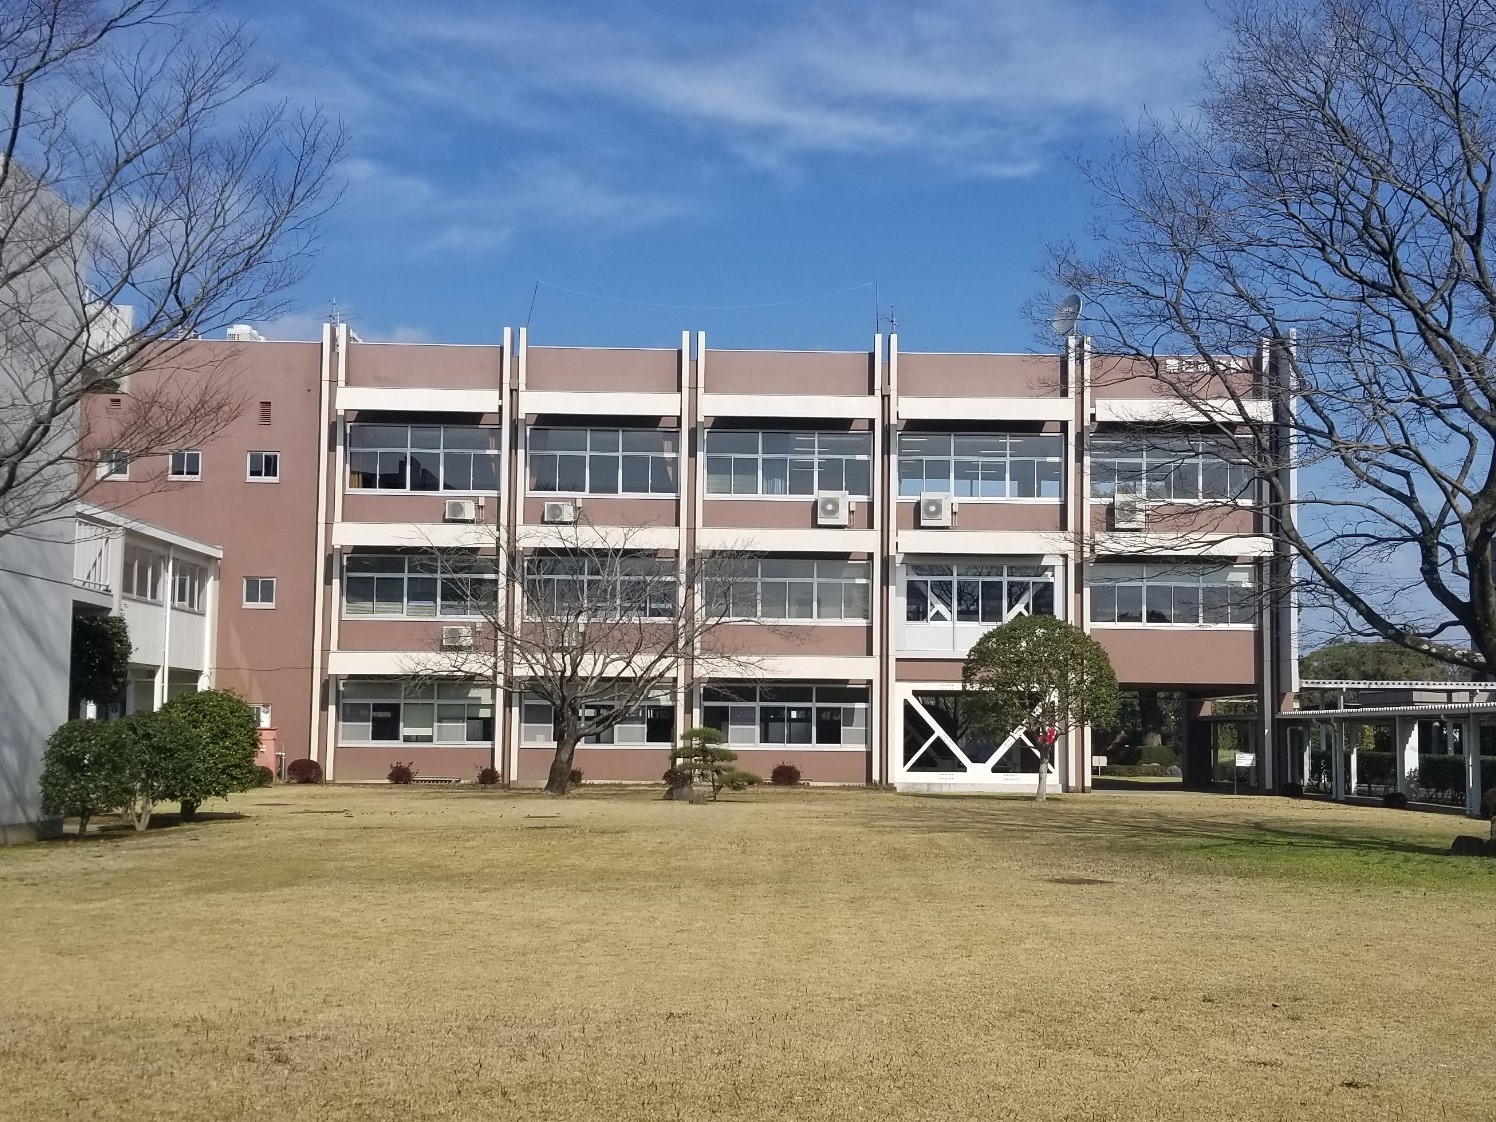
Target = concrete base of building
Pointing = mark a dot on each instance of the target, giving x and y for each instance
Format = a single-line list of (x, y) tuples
[(15, 833), (970, 787)]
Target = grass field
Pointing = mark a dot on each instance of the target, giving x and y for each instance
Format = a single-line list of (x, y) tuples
[(352, 953)]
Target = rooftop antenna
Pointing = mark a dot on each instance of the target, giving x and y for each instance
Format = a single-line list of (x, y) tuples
[(1067, 315), (335, 315), (891, 319)]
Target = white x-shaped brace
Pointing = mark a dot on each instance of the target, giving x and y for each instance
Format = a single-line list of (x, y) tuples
[(940, 734), (943, 609)]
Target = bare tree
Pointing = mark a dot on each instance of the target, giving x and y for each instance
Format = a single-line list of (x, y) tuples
[(601, 623), (149, 192), (1328, 206)]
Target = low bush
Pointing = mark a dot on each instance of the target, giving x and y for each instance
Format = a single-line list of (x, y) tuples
[(785, 775), (211, 740), (488, 777), (1488, 804), (88, 769), (264, 777), (402, 773), (1124, 771), (673, 777), (303, 771), (1161, 754), (1292, 790), (1442, 775), (575, 777), (1375, 769), (1395, 800)]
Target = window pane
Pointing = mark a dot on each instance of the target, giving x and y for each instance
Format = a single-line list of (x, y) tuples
[(801, 600), (776, 472), (771, 724), (855, 603), (1104, 603), (718, 475), (828, 600), (662, 471), (1187, 603), (993, 608), (728, 440), (801, 724), (775, 599), (924, 444), (828, 724), (425, 471), (916, 601), (457, 471), (603, 479), (635, 477), (802, 477), (359, 596), (744, 476), (384, 721), (1129, 603), (911, 478), (571, 473), (1043, 604), (1159, 600), (859, 477), (643, 440), (392, 471), (1215, 603), (419, 718), (659, 724)]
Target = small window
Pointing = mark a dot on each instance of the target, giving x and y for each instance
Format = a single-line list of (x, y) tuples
[(262, 716), (265, 412), (186, 465), (264, 467), (114, 464), (259, 592)]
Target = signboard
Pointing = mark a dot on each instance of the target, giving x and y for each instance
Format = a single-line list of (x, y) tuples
[(1246, 759)]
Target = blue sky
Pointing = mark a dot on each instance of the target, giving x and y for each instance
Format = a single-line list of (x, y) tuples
[(713, 154)]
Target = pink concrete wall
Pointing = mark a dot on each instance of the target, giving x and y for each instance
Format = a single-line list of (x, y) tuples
[(604, 510), (839, 639), (977, 375), (928, 669), (1180, 657), (404, 365), (980, 514), (602, 368), (422, 637), (359, 764), (1181, 518), (789, 372), (1115, 376), (423, 506), (647, 765), (791, 514)]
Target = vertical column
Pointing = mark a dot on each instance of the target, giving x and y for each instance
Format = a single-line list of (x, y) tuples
[(686, 506), (497, 670), (1337, 760), (1078, 385), (334, 342), (884, 451), (1353, 735), (1405, 753), (1470, 735), (887, 727), (163, 668), (513, 474)]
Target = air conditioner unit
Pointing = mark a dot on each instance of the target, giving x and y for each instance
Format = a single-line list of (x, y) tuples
[(936, 510), (559, 514), (461, 510), (457, 638), (1129, 511), (833, 508)]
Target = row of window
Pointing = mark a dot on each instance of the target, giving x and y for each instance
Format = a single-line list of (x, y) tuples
[(463, 714), (973, 592), (594, 461), (259, 467), (1189, 595), (143, 571)]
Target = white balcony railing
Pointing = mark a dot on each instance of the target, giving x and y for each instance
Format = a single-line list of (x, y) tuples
[(93, 556)]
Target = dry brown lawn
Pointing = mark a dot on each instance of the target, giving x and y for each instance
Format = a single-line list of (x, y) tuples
[(357, 953)]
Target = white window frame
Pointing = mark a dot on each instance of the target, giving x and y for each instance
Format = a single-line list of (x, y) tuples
[(195, 577), (604, 435), (989, 467), (748, 584), (802, 459), (1191, 574), (982, 573), (664, 578), (260, 585), (1158, 465), (538, 724), (132, 557), (263, 717), (747, 707), (441, 453), (426, 717), (410, 570), (114, 464), (249, 466), (171, 463)]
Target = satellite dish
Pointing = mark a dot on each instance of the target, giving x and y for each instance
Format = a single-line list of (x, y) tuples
[(1066, 315)]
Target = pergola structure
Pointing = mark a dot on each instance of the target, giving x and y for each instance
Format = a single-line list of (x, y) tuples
[(1326, 746)]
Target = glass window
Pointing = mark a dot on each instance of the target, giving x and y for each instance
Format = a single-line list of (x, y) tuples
[(652, 723), (455, 458), (604, 461), (1182, 594), (188, 584), (789, 589), (788, 463), (981, 465), (977, 592), (186, 465), (418, 586), (783, 714), (259, 592), (114, 464), (263, 467), (143, 573), (1168, 467), (567, 588), (393, 712)]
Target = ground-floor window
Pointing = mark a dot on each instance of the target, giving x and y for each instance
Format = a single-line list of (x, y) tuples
[(781, 714), (409, 713), (650, 724), (938, 738)]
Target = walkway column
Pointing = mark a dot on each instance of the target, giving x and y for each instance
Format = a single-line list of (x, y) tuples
[(1405, 754), (1470, 734), (1337, 761)]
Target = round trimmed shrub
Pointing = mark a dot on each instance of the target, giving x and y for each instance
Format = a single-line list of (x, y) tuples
[(264, 777), (402, 773), (304, 771), (575, 777), (785, 775), (1488, 804), (1395, 800), (89, 768), (488, 777)]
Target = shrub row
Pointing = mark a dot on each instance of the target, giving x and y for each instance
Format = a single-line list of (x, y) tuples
[(196, 747)]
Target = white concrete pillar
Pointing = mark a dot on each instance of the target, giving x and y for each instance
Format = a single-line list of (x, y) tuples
[(1337, 760), (1405, 753), (1353, 735), (1470, 734)]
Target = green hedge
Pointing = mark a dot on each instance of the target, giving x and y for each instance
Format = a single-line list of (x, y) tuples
[(1134, 770), (1442, 775)]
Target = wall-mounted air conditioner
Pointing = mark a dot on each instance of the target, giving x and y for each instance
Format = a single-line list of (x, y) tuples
[(936, 510), (457, 638), (460, 510), (833, 508), (559, 514), (1129, 511)]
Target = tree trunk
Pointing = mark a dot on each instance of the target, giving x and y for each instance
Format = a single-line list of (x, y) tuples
[(189, 810), (1151, 717), (1044, 751), (140, 811), (83, 825), (560, 777)]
